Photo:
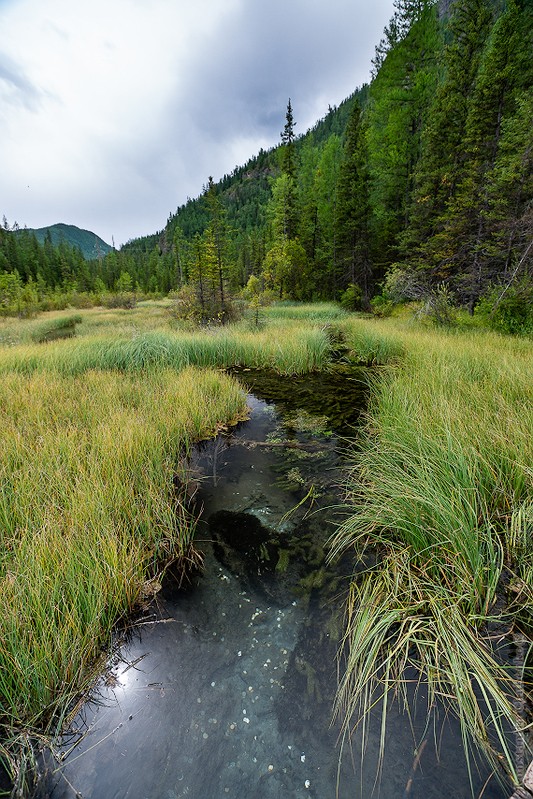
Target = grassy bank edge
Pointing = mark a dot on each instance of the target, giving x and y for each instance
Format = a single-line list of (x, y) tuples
[(442, 489)]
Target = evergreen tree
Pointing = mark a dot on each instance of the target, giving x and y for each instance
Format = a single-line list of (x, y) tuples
[(327, 258), (353, 215), (216, 244), (441, 163), (399, 99), (288, 163), (470, 223)]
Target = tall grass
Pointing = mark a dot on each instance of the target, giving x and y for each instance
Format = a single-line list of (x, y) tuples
[(309, 313), (88, 514), (287, 350), (90, 432), (443, 489)]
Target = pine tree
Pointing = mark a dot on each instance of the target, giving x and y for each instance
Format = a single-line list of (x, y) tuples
[(399, 99), (288, 163), (216, 244)]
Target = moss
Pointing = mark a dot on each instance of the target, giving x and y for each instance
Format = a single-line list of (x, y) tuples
[(283, 561)]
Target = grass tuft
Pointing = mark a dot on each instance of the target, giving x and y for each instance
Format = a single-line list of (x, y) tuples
[(442, 490)]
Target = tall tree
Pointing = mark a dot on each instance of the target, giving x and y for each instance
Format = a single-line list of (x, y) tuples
[(505, 74), (288, 163), (442, 158), (216, 245), (353, 215), (399, 99)]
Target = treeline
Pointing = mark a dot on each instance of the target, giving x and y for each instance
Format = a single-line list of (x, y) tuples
[(419, 186)]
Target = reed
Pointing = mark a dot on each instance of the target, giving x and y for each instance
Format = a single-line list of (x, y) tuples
[(442, 490)]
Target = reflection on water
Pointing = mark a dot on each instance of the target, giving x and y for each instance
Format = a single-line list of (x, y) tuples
[(226, 689)]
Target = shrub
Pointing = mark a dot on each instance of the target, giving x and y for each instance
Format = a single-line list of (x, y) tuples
[(352, 298), (508, 309), (203, 308), (123, 299)]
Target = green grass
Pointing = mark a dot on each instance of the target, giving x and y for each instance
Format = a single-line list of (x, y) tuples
[(60, 327), (309, 313), (442, 489), (93, 431), (288, 350), (88, 514)]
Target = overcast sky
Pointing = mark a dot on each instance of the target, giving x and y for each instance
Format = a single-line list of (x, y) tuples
[(113, 112)]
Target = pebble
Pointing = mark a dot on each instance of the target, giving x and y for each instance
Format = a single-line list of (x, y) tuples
[(307, 784), (271, 767)]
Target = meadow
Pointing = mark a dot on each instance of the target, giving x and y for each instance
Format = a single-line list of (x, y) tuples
[(96, 426)]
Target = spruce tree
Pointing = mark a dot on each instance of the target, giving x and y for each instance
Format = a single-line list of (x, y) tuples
[(441, 163), (353, 214), (399, 99), (470, 223)]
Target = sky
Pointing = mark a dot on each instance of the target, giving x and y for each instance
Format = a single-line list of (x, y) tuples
[(114, 112)]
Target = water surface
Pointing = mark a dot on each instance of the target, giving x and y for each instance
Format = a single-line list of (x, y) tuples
[(225, 689)]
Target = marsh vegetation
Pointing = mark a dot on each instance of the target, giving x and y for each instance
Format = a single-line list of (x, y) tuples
[(94, 431)]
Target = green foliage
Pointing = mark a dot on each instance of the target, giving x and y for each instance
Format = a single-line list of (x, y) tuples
[(441, 487), (285, 269), (508, 309), (189, 306), (90, 245), (353, 213), (352, 298)]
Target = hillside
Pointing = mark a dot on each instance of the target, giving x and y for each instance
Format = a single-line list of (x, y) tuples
[(91, 245), (418, 186)]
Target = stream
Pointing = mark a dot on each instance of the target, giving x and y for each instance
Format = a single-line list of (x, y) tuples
[(225, 688)]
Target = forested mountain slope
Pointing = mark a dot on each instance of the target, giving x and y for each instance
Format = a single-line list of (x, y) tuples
[(422, 179)]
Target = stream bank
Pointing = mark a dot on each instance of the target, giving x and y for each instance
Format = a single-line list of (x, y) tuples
[(226, 688)]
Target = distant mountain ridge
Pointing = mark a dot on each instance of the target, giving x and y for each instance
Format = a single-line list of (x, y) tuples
[(91, 245)]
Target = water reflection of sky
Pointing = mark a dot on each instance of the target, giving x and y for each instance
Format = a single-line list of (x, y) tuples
[(225, 690)]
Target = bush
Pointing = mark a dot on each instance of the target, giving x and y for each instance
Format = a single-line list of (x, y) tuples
[(191, 306), (381, 305), (352, 298), (123, 299), (508, 309)]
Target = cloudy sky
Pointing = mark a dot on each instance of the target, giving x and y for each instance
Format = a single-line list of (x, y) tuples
[(113, 112)]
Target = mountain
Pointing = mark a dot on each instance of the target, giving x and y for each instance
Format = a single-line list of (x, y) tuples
[(91, 245)]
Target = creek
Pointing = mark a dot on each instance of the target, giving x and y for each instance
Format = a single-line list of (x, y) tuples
[(224, 688)]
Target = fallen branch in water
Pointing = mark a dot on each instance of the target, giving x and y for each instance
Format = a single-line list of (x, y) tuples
[(288, 444), (414, 767)]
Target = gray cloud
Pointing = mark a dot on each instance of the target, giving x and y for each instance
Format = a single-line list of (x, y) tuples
[(15, 87), (136, 127)]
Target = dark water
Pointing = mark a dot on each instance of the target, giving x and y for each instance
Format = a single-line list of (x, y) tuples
[(226, 689)]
